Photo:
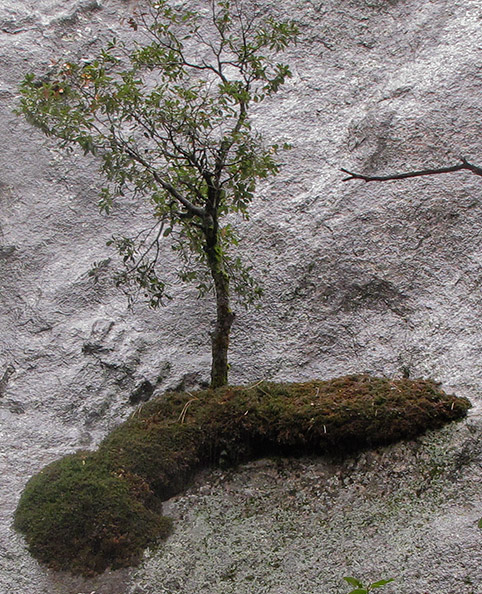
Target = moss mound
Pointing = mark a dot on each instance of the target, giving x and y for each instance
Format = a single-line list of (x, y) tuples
[(77, 513), (94, 510)]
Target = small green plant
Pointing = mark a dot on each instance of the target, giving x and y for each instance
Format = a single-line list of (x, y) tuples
[(359, 588)]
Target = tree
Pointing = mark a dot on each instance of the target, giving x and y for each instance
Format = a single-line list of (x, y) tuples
[(168, 117)]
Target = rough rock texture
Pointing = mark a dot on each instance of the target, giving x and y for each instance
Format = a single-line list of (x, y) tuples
[(358, 277), (295, 526)]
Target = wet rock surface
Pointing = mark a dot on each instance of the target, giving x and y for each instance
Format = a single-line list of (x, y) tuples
[(358, 277)]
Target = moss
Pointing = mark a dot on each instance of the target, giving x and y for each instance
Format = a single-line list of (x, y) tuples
[(89, 511), (79, 514)]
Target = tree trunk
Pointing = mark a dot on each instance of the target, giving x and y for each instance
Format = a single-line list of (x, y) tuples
[(222, 330), (224, 315)]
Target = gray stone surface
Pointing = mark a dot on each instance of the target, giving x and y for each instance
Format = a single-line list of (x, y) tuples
[(295, 526), (382, 279)]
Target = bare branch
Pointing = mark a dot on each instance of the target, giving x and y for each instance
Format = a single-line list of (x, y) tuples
[(464, 165)]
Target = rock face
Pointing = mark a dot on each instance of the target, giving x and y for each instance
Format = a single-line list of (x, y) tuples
[(295, 526), (358, 277)]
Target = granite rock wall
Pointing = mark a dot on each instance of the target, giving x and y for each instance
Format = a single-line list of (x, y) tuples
[(377, 278)]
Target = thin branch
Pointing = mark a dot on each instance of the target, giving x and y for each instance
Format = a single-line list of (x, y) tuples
[(155, 242), (178, 49), (226, 144), (464, 165), (195, 210)]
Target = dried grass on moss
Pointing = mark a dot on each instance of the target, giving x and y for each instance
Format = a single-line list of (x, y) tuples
[(94, 510)]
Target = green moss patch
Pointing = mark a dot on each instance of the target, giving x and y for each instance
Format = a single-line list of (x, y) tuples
[(93, 510)]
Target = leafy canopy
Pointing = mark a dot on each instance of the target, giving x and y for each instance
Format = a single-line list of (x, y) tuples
[(167, 114)]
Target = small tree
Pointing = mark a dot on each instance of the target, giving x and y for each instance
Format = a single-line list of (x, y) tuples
[(168, 117)]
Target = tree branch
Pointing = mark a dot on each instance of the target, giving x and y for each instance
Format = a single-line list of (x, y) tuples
[(461, 166), (195, 210)]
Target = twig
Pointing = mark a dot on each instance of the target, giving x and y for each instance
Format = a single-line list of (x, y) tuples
[(461, 166), (182, 416), (256, 384)]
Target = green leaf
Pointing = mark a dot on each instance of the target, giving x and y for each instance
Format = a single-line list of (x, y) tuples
[(353, 582), (381, 583), (480, 523)]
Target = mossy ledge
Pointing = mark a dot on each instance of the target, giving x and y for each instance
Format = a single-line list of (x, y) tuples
[(93, 510)]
